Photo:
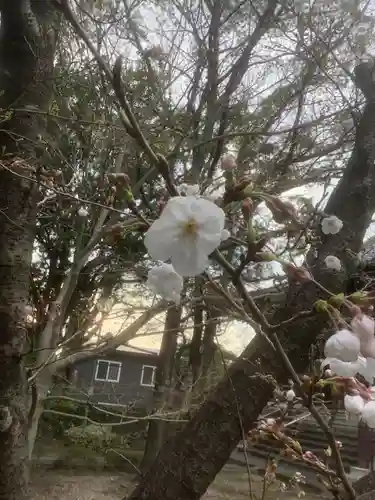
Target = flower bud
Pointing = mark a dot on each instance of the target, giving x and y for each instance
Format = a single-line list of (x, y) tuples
[(290, 395), (247, 208), (296, 273), (228, 162), (282, 211)]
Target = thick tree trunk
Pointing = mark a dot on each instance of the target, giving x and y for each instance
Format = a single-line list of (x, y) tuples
[(163, 385), (187, 464), (27, 41)]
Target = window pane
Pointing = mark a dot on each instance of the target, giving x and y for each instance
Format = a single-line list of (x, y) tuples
[(102, 370), (113, 372), (148, 375)]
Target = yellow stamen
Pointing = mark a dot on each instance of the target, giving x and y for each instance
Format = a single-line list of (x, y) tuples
[(190, 228)]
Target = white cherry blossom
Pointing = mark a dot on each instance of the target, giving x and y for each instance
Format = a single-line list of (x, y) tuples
[(164, 281), (368, 414), (82, 212), (353, 404), (333, 263), (188, 230), (343, 345), (331, 225), (290, 395), (228, 162)]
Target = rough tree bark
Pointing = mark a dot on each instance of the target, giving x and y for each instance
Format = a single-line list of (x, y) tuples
[(163, 384), (187, 464), (27, 42)]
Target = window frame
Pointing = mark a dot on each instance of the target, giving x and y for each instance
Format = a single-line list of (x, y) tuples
[(108, 362), (153, 376)]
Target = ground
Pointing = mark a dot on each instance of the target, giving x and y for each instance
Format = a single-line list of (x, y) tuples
[(232, 483)]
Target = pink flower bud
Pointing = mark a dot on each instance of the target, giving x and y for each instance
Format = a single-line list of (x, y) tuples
[(296, 273), (247, 208)]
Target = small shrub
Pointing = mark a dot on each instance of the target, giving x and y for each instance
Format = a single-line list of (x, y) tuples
[(96, 437), (55, 424)]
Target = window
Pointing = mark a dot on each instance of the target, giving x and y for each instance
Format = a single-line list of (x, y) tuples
[(108, 371), (148, 375)]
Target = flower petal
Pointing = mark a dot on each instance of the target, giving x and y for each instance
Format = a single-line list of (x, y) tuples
[(188, 260), (160, 237), (178, 208)]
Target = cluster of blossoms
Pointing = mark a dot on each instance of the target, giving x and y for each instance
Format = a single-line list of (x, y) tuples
[(332, 225), (274, 430), (352, 352), (188, 230), (191, 227)]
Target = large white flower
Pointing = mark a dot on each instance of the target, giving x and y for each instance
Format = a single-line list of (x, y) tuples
[(343, 345), (187, 232), (331, 225), (164, 281), (368, 414), (353, 404)]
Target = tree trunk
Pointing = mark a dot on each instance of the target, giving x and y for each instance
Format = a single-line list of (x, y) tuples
[(187, 464), (27, 40), (40, 392), (202, 387), (163, 385)]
